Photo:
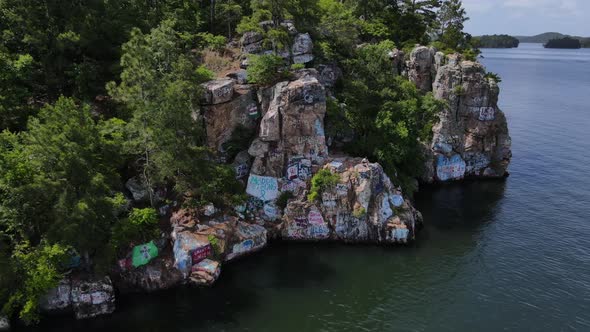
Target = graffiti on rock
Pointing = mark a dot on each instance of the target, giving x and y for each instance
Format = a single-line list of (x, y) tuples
[(271, 212), (315, 217), (299, 168), (263, 187), (328, 199), (397, 200), (242, 171), (450, 168), (201, 253), (341, 189), (319, 128), (484, 113), (476, 162)]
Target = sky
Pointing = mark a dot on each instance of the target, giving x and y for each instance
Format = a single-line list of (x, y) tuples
[(528, 17)]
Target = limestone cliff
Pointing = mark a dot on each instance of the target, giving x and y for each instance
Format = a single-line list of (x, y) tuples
[(471, 139)]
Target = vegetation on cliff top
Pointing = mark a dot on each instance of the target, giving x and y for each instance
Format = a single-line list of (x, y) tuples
[(94, 92)]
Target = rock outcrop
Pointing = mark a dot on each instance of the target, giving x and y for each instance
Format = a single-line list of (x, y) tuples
[(205, 273), (87, 298), (240, 111), (471, 139), (4, 324), (292, 130), (364, 206), (301, 51), (157, 275)]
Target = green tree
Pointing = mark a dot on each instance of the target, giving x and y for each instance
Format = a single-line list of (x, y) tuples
[(160, 85), (388, 114), (449, 25)]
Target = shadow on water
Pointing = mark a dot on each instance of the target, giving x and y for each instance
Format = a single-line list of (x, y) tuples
[(460, 206)]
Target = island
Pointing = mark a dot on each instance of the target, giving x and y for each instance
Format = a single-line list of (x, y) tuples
[(566, 42), (546, 37), (496, 41)]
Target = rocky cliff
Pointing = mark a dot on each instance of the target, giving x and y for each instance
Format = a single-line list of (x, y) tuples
[(471, 139), (287, 147)]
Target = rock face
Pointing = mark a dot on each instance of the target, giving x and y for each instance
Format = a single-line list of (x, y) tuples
[(91, 298), (158, 274), (87, 298), (218, 91), (365, 206), (420, 67), (223, 119), (471, 139), (205, 273), (292, 129), (197, 238)]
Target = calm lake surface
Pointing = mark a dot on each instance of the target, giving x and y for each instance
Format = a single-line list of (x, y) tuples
[(508, 255)]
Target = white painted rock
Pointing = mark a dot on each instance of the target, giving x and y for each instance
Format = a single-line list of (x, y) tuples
[(218, 91)]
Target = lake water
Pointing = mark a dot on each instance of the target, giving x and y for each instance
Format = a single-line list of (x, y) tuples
[(506, 255)]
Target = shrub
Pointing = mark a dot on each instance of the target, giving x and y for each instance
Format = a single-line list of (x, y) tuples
[(266, 69), (297, 66), (494, 76), (322, 181)]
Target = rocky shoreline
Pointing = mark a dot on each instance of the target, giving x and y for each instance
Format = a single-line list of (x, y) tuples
[(362, 204)]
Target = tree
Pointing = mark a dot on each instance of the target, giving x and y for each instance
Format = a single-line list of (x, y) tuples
[(449, 25), (57, 181), (388, 114), (230, 13), (160, 85)]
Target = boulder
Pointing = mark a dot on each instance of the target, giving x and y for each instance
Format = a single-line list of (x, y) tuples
[(218, 91), (250, 37), (421, 67), (364, 206), (191, 234), (329, 75), (222, 120), (86, 297), (92, 297), (138, 188), (397, 59), (205, 273), (247, 239), (58, 299), (291, 29), (302, 48), (241, 164), (157, 275), (4, 323), (240, 76)]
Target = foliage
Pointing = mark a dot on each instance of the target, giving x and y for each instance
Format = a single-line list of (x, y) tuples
[(266, 69), (388, 114), (140, 226), (38, 271), (493, 76), (359, 212), (322, 181)]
